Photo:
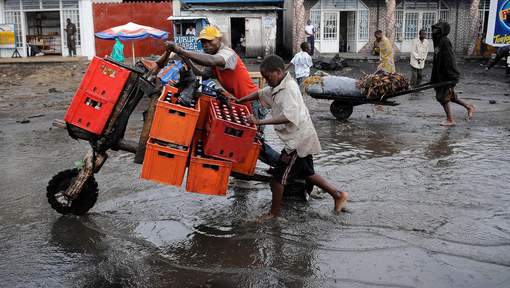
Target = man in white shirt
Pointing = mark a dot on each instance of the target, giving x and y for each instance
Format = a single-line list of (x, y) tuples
[(310, 36), (419, 51), (191, 31), (302, 62)]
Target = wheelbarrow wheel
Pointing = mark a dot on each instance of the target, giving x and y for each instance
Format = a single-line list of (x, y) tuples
[(340, 110), (79, 206)]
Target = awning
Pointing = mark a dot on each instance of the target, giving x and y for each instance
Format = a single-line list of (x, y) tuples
[(186, 17)]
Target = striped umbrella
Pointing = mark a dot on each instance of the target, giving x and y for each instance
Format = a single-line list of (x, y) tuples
[(132, 31)]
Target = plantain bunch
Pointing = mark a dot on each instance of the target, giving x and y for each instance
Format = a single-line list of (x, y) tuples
[(381, 84)]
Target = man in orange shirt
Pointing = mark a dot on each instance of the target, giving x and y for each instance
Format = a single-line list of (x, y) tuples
[(225, 65)]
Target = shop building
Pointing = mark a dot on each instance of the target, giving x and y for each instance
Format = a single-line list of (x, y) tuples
[(250, 27), (41, 24)]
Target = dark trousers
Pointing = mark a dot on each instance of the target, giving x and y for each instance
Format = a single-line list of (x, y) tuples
[(71, 45), (416, 77), (311, 41)]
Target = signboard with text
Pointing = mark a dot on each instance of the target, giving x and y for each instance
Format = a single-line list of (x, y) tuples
[(7, 38), (189, 43), (498, 30)]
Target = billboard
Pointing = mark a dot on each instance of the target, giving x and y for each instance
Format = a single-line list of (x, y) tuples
[(7, 39), (498, 30)]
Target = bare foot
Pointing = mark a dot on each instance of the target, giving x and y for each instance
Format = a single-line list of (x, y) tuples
[(471, 111), (448, 123), (340, 201)]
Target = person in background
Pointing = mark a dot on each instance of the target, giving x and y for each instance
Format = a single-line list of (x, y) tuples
[(294, 126), (444, 68), (310, 36), (501, 53), (71, 37), (118, 51), (419, 51), (191, 31), (302, 62), (386, 58)]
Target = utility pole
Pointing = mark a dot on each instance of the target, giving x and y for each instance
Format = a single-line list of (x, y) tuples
[(390, 19)]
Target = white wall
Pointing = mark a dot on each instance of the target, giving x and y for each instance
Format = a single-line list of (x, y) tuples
[(88, 46)]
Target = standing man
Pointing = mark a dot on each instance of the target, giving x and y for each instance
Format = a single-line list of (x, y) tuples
[(71, 37), (419, 51), (445, 69), (386, 58), (310, 36)]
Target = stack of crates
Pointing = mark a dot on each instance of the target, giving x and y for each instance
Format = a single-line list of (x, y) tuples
[(170, 137), (203, 139), (96, 97)]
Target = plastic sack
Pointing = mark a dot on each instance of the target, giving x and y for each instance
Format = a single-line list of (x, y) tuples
[(335, 85), (118, 51), (170, 72)]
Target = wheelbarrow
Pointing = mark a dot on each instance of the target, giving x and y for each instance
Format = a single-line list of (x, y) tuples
[(343, 105), (75, 191)]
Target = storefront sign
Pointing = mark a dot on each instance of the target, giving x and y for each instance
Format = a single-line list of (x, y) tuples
[(498, 31), (7, 39), (189, 43)]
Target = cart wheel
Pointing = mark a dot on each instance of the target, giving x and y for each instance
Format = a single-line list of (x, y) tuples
[(340, 110), (79, 206)]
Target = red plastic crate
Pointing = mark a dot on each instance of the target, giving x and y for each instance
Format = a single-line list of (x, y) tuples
[(226, 139), (247, 167), (207, 175), (164, 164), (204, 111), (97, 95), (174, 123)]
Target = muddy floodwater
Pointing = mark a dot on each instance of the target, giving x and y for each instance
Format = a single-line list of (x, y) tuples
[(429, 206)]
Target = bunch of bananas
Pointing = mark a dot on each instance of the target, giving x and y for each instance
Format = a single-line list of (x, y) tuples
[(381, 84), (312, 80)]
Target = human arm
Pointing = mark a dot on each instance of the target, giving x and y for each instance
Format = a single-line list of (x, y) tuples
[(277, 120), (250, 97), (199, 58)]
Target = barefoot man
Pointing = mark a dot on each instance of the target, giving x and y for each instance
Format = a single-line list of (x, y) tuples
[(445, 69), (293, 125)]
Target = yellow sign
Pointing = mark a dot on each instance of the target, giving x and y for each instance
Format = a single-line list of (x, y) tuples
[(7, 38)]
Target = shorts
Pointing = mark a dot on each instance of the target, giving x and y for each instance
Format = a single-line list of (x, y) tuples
[(445, 94), (291, 167)]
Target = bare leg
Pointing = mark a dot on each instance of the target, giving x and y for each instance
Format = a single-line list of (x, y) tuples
[(339, 196), (449, 118), (277, 191), (469, 107)]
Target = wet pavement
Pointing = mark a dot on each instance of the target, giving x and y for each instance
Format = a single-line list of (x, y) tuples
[(429, 205)]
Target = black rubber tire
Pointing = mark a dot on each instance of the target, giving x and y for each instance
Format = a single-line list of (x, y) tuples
[(340, 110), (80, 205)]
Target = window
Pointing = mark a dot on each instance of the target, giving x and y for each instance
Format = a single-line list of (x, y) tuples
[(14, 17), (315, 18), (399, 24), (413, 15), (427, 20), (411, 25), (330, 25), (363, 25)]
